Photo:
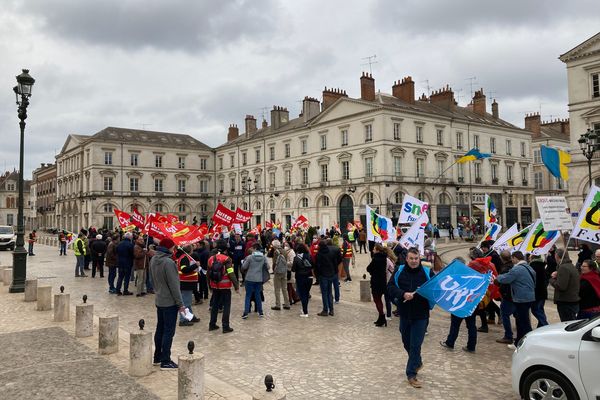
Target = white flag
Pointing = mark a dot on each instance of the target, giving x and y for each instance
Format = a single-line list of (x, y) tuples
[(412, 208), (502, 243), (379, 227), (588, 224), (415, 236), (538, 241)]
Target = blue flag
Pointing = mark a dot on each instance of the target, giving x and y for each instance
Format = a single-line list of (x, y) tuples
[(457, 289)]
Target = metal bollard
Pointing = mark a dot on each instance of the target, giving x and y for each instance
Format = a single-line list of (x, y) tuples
[(108, 337), (271, 393)]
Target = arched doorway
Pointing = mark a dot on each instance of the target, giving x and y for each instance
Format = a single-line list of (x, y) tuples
[(346, 211)]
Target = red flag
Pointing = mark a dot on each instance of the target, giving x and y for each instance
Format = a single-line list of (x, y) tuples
[(300, 222), (223, 215), (124, 220), (242, 216), (137, 219), (268, 225), (172, 218), (155, 229)]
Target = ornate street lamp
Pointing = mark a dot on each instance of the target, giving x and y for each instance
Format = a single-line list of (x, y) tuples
[(588, 142), (247, 187), (22, 92)]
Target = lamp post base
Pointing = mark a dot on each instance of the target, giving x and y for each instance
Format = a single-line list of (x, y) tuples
[(19, 271)]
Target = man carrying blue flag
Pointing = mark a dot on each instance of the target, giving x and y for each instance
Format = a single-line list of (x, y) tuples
[(413, 308)]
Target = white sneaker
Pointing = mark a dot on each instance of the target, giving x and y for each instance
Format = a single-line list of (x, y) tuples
[(511, 346), (388, 318), (304, 315)]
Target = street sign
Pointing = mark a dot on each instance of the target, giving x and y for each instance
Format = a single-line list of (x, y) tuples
[(553, 212)]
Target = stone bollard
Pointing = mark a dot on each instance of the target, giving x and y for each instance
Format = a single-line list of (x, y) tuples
[(365, 290), (272, 393), (190, 375), (62, 306), (140, 352), (108, 337), (7, 276), (30, 289), (84, 319), (44, 298)]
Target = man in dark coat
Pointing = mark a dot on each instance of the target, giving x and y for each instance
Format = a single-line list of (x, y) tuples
[(125, 262)]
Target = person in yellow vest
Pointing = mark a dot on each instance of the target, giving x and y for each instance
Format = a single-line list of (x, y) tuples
[(188, 281), (347, 256), (80, 252), (221, 278)]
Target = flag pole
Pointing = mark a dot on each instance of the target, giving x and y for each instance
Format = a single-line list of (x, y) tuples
[(444, 171)]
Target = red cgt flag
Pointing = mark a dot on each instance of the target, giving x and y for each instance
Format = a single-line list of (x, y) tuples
[(137, 219), (124, 220), (223, 215), (242, 216)]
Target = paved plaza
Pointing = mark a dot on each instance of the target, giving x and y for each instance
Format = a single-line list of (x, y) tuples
[(341, 357)]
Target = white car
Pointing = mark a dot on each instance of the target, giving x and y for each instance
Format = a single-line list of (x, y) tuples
[(7, 237), (559, 361)]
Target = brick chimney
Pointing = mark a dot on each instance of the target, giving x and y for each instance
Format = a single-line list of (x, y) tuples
[(310, 108), (533, 123), (279, 117), (443, 98), (479, 102), (495, 110), (330, 96), (561, 125), (404, 90), (233, 132), (264, 124), (250, 123), (367, 87), (565, 126)]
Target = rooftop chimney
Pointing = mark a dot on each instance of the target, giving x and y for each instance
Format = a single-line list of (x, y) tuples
[(443, 98), (404, 90), (533, 123), (310, 108), (279, 117), (479, 102), (233, 132), (250, 122), (495, 109), (264, 124), (367, 87), (330, 96), (561, 125)]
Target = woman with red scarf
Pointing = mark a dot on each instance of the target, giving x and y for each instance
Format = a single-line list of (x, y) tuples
[(589, 291)]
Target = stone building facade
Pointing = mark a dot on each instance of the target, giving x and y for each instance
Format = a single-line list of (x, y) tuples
[(583, 78), (9, 194), (128, 168), (338, 156), (43, 196)]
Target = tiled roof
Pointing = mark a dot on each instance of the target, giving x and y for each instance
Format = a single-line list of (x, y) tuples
[(171, 140)]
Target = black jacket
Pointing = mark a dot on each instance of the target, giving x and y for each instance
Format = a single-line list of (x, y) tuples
[(98, 248), (377, 268), (505, 291), (587, 295), (496, 260), (541, 282), (325, 265), (408, 281)]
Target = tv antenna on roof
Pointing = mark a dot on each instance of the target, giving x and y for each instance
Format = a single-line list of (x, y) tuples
[(144, 126), (263, 111), (472, 81), (370, 62), (428, 87)]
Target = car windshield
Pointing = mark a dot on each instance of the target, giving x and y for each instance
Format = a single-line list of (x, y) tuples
[(581, 324), (6, 230)]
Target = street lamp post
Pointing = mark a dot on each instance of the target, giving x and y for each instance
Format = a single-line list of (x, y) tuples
[(22, 92), (247, 187), (588, 142)]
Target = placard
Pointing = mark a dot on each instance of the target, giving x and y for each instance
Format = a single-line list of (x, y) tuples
[(554, 214)]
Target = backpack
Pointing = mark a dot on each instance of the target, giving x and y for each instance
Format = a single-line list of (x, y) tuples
[(215, 271), (427, 275), (280, 264)]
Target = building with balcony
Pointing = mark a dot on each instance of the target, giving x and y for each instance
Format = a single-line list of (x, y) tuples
[(129, 168), (9, 194), (338, 156), (583, 80), (43, 196)]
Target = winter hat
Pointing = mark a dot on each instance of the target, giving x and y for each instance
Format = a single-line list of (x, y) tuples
[(276, 243), (99, 237), (167, 243)]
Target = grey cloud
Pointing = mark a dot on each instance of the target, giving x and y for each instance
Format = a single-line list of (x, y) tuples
[(192, 26)]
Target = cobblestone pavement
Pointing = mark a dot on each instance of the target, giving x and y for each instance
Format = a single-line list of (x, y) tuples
[(339, 357)]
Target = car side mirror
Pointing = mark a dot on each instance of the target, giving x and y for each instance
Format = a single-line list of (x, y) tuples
[(596, 333)]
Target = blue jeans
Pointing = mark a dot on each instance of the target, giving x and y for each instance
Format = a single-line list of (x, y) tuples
[(149, 285), (31, 249), (336, 287), (186, 296), (413, 334), (124, 278), (455, 328), (507, 310), (165, 330), (79, 265), (538, 312), (303, 286), (253, 288), (523, 321), (63, 248), (112, 274), (326, 295)]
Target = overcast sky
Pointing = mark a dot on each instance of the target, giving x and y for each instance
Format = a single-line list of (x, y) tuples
[(192, 66)]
